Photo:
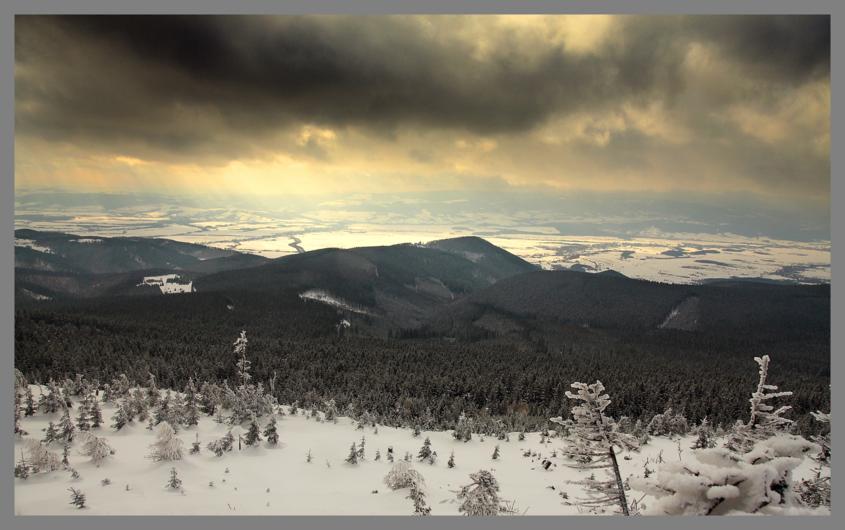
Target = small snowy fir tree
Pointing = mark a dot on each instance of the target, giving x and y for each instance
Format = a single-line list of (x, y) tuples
[(190, 410), (451, 462), (83, 420), (253, 435), (195, 445), (595, 441), (51, 401), (167, 445), (174, 482), (361, 454), (669, 423), (463, 430), (308, 457), (481, 496), (77, 498), (95, 447), (723, 482), (425, 454), (496, 453), (764, 421), (122, 416), (417, 496), (352, 458), (67, 431), (95, 414), (402, 475), (51, 434), (704, 436), (152, 392), (29, 400), (331, 410), (271, 432)]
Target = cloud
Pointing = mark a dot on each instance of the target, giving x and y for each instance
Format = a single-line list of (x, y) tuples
[(557, 101)]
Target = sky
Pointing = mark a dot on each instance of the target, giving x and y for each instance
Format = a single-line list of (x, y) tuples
[(721, 111)]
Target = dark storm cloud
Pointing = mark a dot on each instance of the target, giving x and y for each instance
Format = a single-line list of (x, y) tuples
[(378, 72)]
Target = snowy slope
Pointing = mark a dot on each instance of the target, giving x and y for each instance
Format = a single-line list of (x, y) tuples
[(279, 481)]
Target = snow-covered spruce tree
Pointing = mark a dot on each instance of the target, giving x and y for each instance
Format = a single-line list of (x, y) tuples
[(153, 394), (51, 434), (96, 447), (481, 496), (417, 496), (195, 445), (253, 435), (122, 416), (77, 498), (669, 423), (463, 430), (720, 481), (17, 415), (451, 462), (247, 399), (95, 414), (361, 453), (705, 438), (66, 429), (190, 410), (352, 458), (209, 398), (174, 482), (495, 453), (22, 468), (402, 475), (815, 490), (595, 441), (83, 420), (425, 452), (331, 410), (40, 458), (51, 400), (764, 421), (29, 402), (167, 445), (271, 433)]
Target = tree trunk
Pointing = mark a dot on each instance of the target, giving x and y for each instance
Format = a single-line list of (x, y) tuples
[(622, 500)]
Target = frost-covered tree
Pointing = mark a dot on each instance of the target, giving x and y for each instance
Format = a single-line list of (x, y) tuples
[(271, 432), (174, 482), (195, 445), (496, 453), (51, 434), (361, 453), (723, 482), (77, 498), (222, 445), (253, 434), (122, 416), (669, 423), (209, 398), (167, 445), (402, 475), (352, 458), (66, 429), (29, 402), (417, 496), (705, 438), (331, 410), (83, 419), (764, 420), (40, 458), (822, 439), (451, 462), (481, 496), (153, 394), (243, 363), (425, 453), (595, 441), (17, 415), (190, 410), (95, 414), (51, 400), (96, 447), (463, 430)]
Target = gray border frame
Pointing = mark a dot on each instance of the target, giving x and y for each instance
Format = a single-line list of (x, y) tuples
[(9, 8)]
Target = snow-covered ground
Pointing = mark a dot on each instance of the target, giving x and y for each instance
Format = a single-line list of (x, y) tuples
[(278, 480), (319, 295), (168, 283), (29, 243)]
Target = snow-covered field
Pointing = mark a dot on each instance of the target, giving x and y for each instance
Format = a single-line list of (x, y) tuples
[(279, 481)]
